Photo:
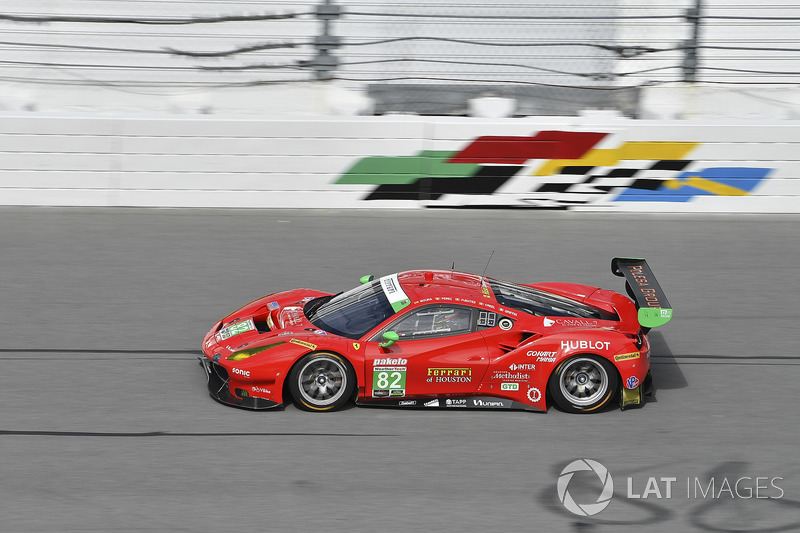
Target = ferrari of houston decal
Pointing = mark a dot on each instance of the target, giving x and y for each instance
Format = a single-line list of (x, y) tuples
[(571, 172)]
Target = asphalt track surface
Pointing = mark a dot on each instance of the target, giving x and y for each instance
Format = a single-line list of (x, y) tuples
[(107, 425)]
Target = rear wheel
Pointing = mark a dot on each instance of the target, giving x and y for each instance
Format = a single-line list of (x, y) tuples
[(322, 381), (583, 384)]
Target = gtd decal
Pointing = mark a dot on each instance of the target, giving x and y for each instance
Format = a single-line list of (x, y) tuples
[(585, 345), (239, 371), (509, 386)]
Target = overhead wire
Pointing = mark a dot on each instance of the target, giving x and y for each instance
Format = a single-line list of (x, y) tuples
[(621, 51)]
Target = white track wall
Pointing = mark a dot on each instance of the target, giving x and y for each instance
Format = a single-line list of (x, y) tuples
[(400, 162)]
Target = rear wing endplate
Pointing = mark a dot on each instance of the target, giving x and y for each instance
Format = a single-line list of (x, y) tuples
[(642, 286)]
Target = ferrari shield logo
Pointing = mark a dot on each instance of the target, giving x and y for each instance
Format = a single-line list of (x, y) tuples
[(356, 345)]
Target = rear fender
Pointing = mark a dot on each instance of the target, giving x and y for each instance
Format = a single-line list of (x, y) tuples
[(547, 353)]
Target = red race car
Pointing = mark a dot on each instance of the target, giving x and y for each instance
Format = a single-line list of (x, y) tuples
[(441, 339)]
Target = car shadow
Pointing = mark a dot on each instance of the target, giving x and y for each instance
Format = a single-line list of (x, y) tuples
[(664, 366)]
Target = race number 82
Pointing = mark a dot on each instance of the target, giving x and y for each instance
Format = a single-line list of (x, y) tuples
[(389, 379)]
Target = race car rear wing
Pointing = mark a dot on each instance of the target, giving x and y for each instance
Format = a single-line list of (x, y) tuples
[(642, 286)]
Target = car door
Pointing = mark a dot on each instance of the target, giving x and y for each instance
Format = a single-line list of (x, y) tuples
[(440, 352)]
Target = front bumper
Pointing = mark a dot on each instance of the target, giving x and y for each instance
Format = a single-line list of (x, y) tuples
[(219, 389)]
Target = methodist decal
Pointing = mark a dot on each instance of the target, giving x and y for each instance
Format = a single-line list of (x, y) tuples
[(553, 170)]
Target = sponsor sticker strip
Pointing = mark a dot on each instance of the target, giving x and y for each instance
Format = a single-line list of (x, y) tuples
[(235, 329), (394, 292), (304, 344), (626, 356)]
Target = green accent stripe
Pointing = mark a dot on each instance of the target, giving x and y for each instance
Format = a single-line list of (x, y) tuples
[(382, 170), (399, 306), (654, 316)]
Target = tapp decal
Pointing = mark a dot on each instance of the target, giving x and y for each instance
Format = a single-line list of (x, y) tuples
[(570, 171)]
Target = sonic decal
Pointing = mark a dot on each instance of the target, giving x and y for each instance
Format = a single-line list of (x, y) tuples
[(555, 170)]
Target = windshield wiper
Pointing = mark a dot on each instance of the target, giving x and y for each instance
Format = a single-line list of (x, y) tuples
[(314, 305)]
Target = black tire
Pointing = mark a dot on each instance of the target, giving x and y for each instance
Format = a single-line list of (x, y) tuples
[(322, 381), (583, 384)]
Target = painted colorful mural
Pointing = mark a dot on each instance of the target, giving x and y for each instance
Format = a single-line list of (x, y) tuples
[(554, 169)]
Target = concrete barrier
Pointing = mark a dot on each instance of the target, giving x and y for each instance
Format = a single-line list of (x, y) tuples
[(580, 163)]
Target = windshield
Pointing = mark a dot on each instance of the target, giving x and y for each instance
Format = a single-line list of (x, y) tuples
[(538, 302), (355, 312)]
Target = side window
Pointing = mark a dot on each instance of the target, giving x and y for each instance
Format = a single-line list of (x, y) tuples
[(434, 321)]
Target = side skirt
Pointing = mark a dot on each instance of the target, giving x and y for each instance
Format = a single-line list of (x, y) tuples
[(468, 402)]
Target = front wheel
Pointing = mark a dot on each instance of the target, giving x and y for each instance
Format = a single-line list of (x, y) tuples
[(583, 384), (322, 381)]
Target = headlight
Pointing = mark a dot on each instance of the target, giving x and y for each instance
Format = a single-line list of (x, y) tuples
[(245, 354)]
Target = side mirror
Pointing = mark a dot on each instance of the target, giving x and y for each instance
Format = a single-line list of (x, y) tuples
[(367, 279), (391, 338)]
